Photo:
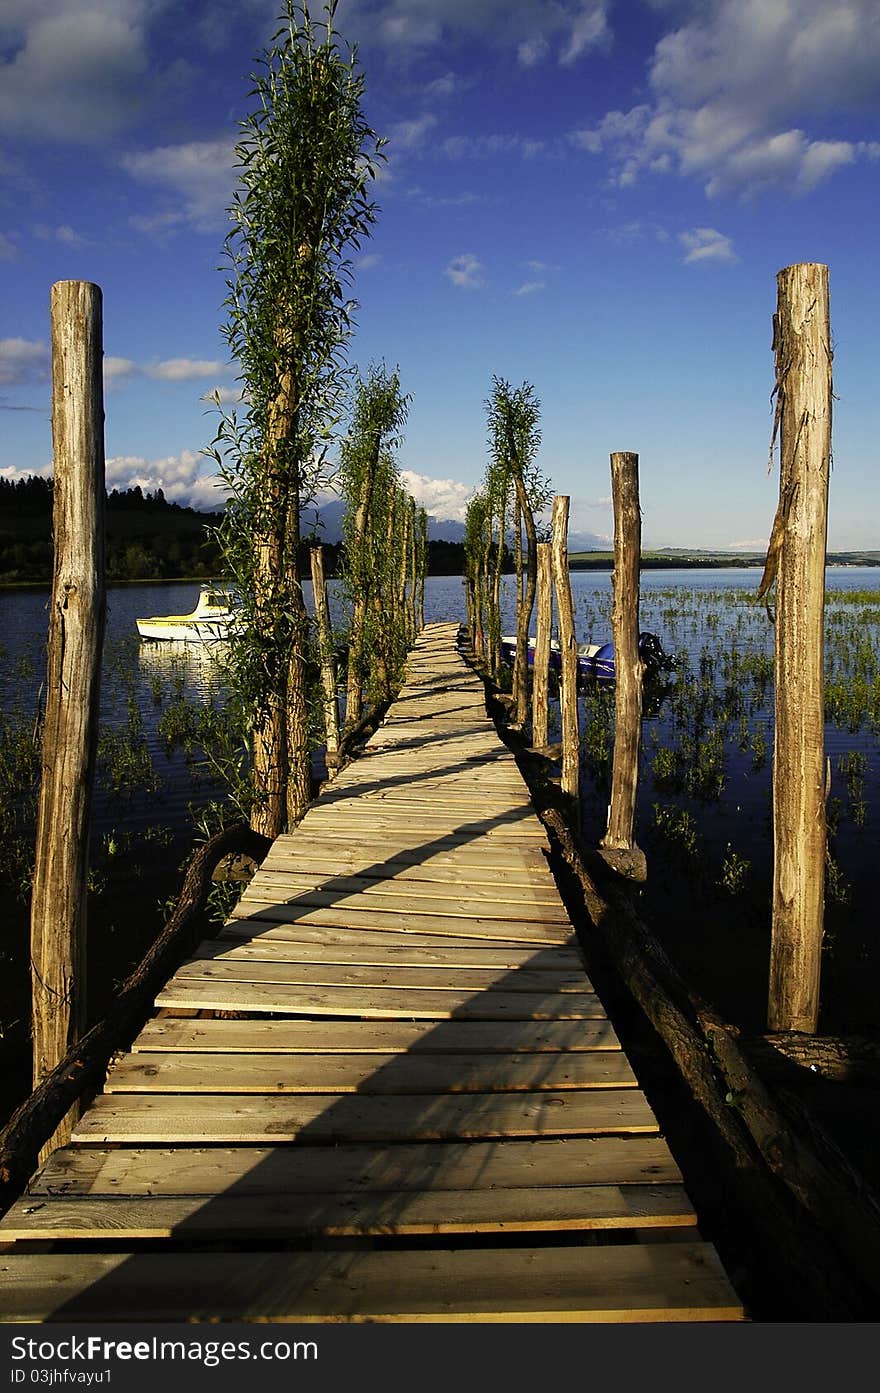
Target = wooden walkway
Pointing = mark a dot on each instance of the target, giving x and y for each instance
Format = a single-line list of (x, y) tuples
[(386, 1091)]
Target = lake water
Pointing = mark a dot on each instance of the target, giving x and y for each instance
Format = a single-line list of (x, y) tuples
[(704, 790)]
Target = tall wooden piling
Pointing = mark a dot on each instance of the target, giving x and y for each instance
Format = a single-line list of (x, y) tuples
[(802, 346), (618, 845), (76, 631), (568, 700), (543, 624), (325, 653)]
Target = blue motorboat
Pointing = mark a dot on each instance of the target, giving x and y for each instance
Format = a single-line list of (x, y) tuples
[(595, 660)]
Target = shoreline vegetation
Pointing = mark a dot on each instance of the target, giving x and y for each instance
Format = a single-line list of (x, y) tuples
[(150, 539)]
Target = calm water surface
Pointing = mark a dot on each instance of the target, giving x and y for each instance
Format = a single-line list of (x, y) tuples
[(704, 790)]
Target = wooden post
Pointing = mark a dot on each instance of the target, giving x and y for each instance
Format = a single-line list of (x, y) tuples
[(328, 665), (618, 846), (802, 343), (543, 623), (568, 700), (76, 631)]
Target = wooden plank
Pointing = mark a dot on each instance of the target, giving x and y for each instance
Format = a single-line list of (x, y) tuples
[(354, 1168), (460, 953), (368, 1073), (514, 829), (352, 916), (379, 1003), (265, 931), (431, 978), (284, 1216), (375, 1037), (257, 1118), (374, 850), (633, 1283), (497, 894), (267, 889)]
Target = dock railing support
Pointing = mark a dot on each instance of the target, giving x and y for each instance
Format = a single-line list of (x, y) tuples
[(802, 345), (543, 624), (618, 846), (568, 698), (75, 640), (328, 664)]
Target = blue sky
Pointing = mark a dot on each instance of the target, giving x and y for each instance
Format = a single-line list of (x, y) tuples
[(591, 195)]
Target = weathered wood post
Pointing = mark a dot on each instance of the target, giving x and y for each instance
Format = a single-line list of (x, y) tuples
[(543, 624), (568, 699), (328, 664), (76, 631), (618, 846), (802, 345)]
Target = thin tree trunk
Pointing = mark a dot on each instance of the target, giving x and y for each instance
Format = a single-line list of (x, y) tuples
[(270, 734), (353, 692), (527, 604), (496, 591), (802, 341), (423, 568), (543, 624), (76, 632), (328, 664), (412, 572), (568, 700), (627, 665)]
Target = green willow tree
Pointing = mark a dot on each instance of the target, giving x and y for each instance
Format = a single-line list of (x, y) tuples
[(306, 161), (374, 530), (476, 528), (513, 415)]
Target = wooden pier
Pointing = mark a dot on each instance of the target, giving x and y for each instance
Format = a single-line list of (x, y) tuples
[(386, 1091)]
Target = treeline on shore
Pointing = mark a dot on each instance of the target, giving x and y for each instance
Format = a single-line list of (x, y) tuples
[(147, 538)]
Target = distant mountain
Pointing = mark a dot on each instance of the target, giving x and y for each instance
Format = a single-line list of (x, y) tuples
[(326, 521)]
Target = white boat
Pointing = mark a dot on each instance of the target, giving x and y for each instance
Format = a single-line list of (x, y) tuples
[(213, 619)]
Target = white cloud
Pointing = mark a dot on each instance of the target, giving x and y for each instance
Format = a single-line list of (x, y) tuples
[(465, 271), (198, 176), (446, 86), (408, 135), (589, 30), (63, 234), (188, 478), (184, 369), (530, 287), (564, 29), (532, 51), (23, 362), (74, 75), (753, 544), (224, 396), (740, 93), (117, 371), (444, 499), (706, 244), (458, 147), (822, 157), (13, 473), (8, 249)]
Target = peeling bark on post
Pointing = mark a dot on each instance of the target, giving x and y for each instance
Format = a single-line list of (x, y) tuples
[(543, 623), (76, 632), (328, 665), (802, 344), (568, 699), (618, 844)]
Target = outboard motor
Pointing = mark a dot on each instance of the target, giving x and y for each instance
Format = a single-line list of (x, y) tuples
[(651, 652)]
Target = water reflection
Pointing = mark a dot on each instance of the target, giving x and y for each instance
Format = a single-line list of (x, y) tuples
[(196, 670)]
